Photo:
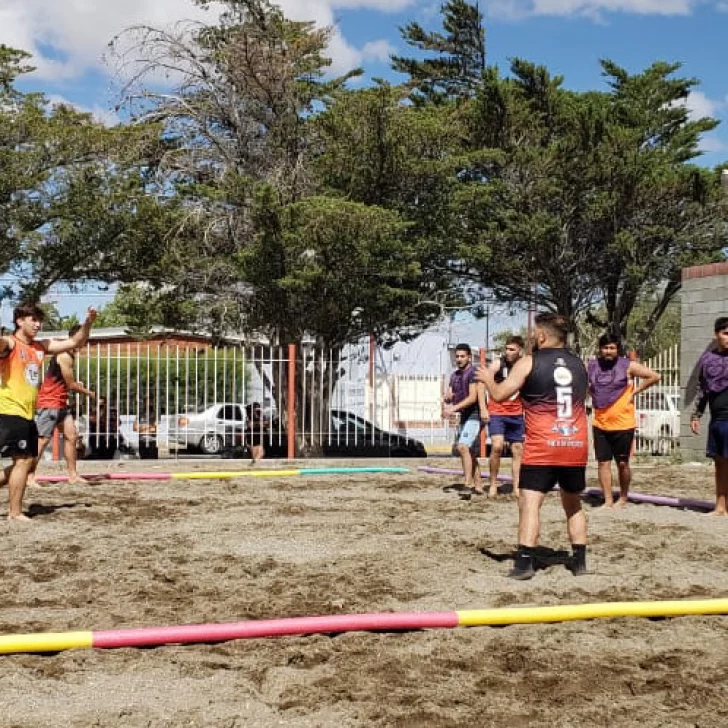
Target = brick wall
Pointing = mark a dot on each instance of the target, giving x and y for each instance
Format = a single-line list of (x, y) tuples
[(704, 297)]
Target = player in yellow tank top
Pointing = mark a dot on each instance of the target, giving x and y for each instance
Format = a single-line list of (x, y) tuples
[(21, 358)]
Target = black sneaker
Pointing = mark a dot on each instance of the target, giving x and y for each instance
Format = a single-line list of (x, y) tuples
[(527, 572), (577, 567)]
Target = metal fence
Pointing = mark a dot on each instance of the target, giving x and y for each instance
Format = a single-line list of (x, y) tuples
[(658, 409), (201, 400)]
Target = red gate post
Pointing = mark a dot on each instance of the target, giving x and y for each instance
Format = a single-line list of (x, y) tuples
[(483, 363), (291, 401)]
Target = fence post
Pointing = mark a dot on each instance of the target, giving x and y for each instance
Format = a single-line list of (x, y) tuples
[(483, 363), (291, 401)]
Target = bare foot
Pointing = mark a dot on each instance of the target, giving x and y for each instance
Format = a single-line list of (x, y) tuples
[(492, 492), (716, 512), (516, 493), (620, 503), (18, 517), (31, 481), (77, 480), (606, 504)]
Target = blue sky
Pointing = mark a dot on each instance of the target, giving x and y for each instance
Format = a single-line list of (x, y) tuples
[(69, 37)]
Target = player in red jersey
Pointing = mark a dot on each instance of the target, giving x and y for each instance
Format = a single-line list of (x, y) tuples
[(54, 411)]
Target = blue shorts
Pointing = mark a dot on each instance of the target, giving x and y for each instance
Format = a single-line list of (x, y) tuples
[(468, 433), (717, 439), (512, 427)]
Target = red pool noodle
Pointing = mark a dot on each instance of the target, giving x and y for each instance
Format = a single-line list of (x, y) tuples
[(187, 634)]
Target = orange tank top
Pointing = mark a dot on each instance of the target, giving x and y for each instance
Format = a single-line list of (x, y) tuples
[(19, 379), (619, 415)]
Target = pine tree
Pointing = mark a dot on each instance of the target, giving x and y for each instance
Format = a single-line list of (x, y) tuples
[(459, 54)]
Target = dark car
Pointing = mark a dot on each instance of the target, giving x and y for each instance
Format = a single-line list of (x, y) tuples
[(349, 435)]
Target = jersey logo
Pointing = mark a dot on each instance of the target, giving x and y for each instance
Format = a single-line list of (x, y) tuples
[(32, 374), (565, 429)]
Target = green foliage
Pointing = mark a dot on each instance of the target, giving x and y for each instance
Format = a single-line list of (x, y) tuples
[(138, 308), (589, 197), (74, 199), (328, 268), (377, 149), (459, 55)]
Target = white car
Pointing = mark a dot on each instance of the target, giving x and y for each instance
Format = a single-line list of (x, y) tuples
[(210, 430), (658, 419)]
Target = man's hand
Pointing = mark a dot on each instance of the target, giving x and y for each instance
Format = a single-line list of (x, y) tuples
[(485, 374), (91, 315), (695, 425)]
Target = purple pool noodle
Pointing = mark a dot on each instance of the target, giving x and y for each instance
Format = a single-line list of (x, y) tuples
[(659, 500)]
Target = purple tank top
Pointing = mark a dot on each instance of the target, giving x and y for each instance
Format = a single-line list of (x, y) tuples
[(713, 367), (607, 381), (460, 382)]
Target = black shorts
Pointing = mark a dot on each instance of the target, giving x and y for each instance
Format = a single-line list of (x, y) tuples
[(18, 437), (543, 478), (612, 445), (254, 438)]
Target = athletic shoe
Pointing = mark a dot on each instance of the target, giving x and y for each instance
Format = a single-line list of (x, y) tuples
[(522, 573)]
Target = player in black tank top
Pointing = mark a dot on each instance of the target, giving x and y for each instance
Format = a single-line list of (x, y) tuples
[(553, 385)]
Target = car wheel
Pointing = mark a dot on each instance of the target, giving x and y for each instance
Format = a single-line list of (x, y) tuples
[(211, 444)]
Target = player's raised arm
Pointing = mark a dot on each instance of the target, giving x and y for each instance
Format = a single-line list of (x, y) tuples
[(76, 341)]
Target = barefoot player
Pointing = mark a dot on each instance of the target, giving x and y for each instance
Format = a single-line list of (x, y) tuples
[(21, 358), (54, 411)]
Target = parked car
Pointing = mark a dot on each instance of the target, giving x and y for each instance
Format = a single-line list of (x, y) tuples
[(658, 419), (211, 430), (349, 435), (221, 428)]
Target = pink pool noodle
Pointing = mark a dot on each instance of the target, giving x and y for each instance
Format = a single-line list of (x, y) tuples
[(153, 636), (106, 476)]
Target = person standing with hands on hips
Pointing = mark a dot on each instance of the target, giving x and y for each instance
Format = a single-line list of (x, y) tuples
[(613, 389), (713, 383), (21, 359), (553, 386)]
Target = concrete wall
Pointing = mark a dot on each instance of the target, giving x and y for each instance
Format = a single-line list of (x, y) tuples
[(704, 297)]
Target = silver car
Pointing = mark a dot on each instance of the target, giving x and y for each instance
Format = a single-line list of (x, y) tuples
[(211, 430)]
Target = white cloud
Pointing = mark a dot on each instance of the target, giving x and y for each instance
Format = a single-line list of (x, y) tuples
[(700, 105), (378, 50), (69, 37)]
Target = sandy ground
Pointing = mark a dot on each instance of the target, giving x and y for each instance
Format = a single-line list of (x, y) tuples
[(134, 554)]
